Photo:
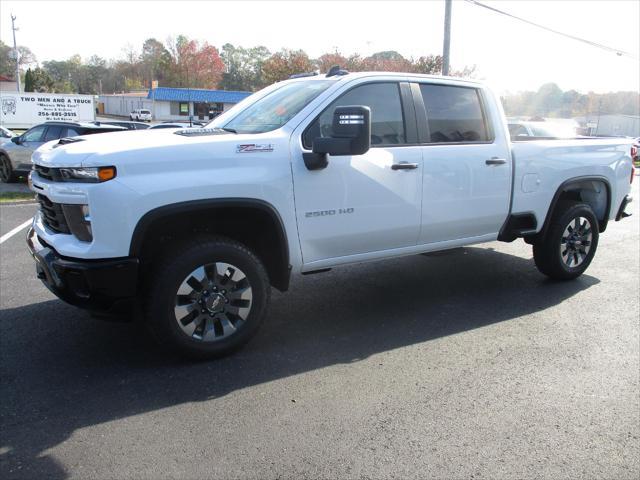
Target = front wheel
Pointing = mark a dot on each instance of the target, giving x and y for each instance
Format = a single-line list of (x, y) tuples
[(208, 299), (570, 243)]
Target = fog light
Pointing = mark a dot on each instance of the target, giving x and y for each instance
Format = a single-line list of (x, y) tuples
[(79, 221)]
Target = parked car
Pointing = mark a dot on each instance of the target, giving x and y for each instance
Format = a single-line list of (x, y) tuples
[(176, 125), (193, 228), (5, 135), (545, 129), (142, 115), (127, 125), (15, 155)]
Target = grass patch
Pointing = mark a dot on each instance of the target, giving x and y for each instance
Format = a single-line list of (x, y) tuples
[(6, 197)]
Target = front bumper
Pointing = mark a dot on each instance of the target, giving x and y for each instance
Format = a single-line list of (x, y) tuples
[(621, 212), (102, 286)]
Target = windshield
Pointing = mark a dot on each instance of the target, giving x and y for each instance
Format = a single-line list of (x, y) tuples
[(277, 108)]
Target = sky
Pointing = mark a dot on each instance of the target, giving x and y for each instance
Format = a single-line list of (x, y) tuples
[(510, 55)]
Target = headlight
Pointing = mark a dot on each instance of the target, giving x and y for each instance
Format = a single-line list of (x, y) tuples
[(88, 175)]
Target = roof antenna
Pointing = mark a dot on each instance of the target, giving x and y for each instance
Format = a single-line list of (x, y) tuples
[(335, 71)]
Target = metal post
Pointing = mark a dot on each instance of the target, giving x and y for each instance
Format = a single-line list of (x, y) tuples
[(447, 37), (15, 51)]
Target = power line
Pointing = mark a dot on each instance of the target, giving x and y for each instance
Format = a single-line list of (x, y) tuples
[(618, 52)]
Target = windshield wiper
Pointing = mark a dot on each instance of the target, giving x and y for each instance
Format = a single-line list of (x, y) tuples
[(227, 129)]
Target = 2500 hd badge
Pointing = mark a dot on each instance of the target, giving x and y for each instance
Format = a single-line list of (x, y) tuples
[(327, 213)]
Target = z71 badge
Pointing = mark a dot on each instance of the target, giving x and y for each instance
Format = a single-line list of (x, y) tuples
[(254, 147)]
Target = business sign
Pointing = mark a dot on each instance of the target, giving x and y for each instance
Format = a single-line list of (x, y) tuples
[(27, 109)]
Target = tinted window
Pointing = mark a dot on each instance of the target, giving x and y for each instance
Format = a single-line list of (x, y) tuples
[(34, 135), (454, 114), (71, 133), (53, 133), (387, 123)]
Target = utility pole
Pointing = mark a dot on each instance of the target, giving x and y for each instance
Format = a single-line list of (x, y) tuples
[(447, 37), (15, 50)]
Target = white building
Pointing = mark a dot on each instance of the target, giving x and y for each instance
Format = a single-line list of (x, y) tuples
[(616, 125)]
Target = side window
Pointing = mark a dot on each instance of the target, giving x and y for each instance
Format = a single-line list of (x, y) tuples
[(71, 133), (387, 121), (53, 133), (34, 135), (454, 114)]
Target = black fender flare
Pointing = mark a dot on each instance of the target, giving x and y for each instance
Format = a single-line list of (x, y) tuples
[(149, 218), (564, 187)]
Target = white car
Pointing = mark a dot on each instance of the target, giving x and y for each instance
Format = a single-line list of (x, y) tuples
[(141, 115), (192, 227)]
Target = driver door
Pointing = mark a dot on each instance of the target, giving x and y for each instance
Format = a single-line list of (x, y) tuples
[(360, 205)]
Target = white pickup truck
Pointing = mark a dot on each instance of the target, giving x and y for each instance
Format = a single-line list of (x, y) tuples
[(191, 228)]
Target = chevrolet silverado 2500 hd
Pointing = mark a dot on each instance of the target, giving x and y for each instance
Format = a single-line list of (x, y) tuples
[(193, 227)]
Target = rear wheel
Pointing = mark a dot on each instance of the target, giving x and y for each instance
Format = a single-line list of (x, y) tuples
[(7, 174), (208, 299), (570, 243)]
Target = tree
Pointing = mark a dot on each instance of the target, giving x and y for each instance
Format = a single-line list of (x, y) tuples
[(548, 99), (328, 60), (26, 58), (431, 64), (197, 64), (285, 63), (28, 81), (387, 61), (156, 60), (37, 80), (243, 67)]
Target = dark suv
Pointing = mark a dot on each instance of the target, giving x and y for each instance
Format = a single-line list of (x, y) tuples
[(15, 156)]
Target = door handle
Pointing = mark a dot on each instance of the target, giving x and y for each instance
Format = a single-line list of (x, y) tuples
[(404, 166), (496, 161)]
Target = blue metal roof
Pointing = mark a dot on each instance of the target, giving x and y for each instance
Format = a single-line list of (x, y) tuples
[(196, 95)]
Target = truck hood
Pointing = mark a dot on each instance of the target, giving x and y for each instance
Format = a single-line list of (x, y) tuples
[(121, 148)]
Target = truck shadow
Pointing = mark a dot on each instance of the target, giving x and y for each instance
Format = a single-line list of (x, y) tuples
[(62, 371)]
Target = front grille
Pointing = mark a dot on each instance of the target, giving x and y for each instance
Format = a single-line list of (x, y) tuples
[(51, 174), (52, 215)]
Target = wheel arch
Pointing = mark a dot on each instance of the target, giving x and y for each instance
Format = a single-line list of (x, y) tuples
[(582, 189), (237, 218)]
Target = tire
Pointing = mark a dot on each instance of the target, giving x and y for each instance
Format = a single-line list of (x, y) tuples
[(200, 318), (570, 243), (7, 175), (131, 117)]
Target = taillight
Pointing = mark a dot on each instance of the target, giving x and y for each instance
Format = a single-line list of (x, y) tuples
[(634, 152)]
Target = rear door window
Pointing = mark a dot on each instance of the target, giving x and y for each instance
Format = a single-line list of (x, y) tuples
[(71, 133), (53, 133), (454, 114), (387, 120)]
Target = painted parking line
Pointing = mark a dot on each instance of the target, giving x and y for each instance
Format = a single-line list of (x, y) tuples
[(10, 234)]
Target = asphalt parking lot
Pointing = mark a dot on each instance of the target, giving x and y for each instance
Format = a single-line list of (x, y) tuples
[(467, 364)]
